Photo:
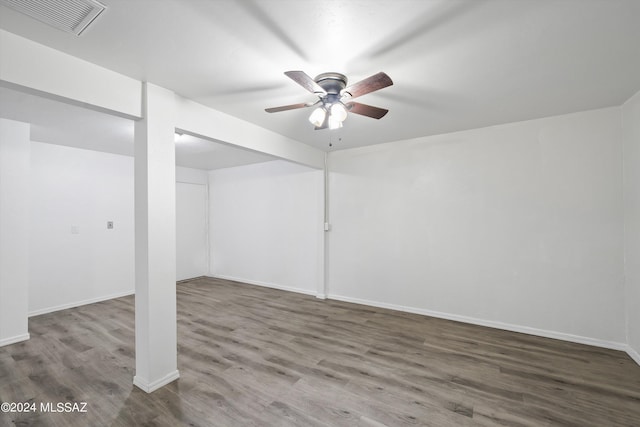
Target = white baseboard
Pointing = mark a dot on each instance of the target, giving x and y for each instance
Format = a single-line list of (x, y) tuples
[(492, 324), (13, 340), (190, 279), (613, 345), (79, 303), (150, 387), (633, 354), (264, 284)]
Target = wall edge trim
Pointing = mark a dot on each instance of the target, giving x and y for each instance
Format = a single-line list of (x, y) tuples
[(14, 340), (264, 284), (79, 303), (150, 387), (612, 345), (633, 354)]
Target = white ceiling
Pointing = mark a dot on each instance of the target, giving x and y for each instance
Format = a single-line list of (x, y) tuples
[(64, 124), (456, 64)]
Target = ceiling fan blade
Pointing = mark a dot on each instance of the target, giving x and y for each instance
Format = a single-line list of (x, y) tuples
[(288, 107), (368, 85), (305, 81), (366, 110)]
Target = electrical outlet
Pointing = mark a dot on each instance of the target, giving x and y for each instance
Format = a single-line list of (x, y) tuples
[(109, 225)]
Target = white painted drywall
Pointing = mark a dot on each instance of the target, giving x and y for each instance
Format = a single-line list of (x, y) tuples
[(192, 232), (14, 231), (208, 123), (631, 150), (79, 188), (517, 226), (27, 64), (193, 176), (74, 258), (155, 240), (192, 255), (266, 225), (35, 68)]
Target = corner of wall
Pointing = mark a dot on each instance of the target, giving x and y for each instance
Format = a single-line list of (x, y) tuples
[(15, 155), (630, 124), (633, 354)]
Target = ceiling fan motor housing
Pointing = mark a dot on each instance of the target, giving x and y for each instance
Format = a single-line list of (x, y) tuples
[(333, 84)]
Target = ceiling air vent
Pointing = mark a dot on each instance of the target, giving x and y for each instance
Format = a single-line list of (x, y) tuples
[(72, 16)]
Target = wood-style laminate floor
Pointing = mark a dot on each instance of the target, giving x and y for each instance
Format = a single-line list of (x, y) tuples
[(262, 357)]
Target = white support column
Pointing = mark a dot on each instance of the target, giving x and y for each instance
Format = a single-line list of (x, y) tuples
[(155, 229), (15, 165)]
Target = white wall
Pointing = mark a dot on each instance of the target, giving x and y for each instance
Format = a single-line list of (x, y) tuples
[(192, 253), (193, 176), (516, 226), (202, 121), (33, 66), (74, 258), (631, 138), (14, 231), (266, 225)]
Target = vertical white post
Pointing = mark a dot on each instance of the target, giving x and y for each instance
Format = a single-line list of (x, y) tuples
[(15, 164), (324, 255), (155, 231)]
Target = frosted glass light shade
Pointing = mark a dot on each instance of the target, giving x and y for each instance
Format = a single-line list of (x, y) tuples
[(339, 111), (317, 117), (334, 122)]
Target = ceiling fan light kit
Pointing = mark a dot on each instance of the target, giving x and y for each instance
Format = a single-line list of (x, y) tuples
[(334, 122), (339, 111), (335, 97), (318, 116)]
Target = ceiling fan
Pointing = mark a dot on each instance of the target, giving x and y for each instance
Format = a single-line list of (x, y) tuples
[(335, 97)]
